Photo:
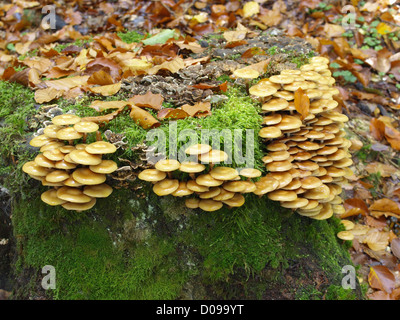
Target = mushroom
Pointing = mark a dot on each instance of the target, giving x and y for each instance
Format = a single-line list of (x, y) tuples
[(152, 175), (100, 147), (210, 205), (105, 167), (224, 173), (98, 191), (65, 119), (70, 194), (88, 177), (165, 187), (79, 206), (192, 203), (84, 158), (50, 197), (86, 127)]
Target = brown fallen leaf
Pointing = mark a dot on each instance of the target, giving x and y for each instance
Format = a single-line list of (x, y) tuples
[(105, 118), (171, 113), (393, 137), (100, 106), (385, 205), (377, 240), (197, 108), (301, 103), (173, 66), (47, 95), (107, 90), (395, 247), (148, 100), (380, 277), (101, 78), (143, 118)]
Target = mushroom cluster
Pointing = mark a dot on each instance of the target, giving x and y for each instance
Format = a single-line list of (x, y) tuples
[(308, 159), (207, 186), (76, 172)]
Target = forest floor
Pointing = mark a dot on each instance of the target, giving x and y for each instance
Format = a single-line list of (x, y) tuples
[(202, 42)]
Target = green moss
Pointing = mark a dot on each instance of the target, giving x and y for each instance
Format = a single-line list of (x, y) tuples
[(238, 115), (90, 260), (335, 292), (131, 36), (17, 106)]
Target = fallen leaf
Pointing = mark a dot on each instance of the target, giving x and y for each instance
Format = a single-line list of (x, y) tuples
[(395, 247), (148, 100), (173, 66), (250, 9), (377, 240), (47, 95), (105, 118), (301, 102), (171, 113), (100, 106), (385, 205), (393, 137), (197, 108), (107, 90), (377, 129), (380, 277), (143, 118), (101, 78)]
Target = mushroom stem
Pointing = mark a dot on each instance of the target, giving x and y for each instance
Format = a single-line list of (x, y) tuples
[(71, 142), (98, 136), (192, 176), (84, 137)]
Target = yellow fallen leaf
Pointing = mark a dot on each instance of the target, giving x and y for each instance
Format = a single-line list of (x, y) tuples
[(105, 105), (383, 28), (174, 66), (107, 90), (250, 9), (46, 95)]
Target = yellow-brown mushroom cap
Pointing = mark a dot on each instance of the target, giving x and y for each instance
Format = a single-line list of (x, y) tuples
[(88, 177), (270, 132), (165, 187), (345, 235), (152, 175), (191, 167), (235, 186), (246, 73), (98, 191), (214, 156), (194, 186), (236, 201), (167, 165), (71, 194), (208, 181), (40, 141), (42, 161), (182, 190), (54, 154), (213, 192), (65, 165), (85, 158), (32, 168), (282, 195), (224, 173), (198, 149), (51, 130), (50, 197), (68, 133), (192, 203), (79, 206), (86, 126), (65, 119), (276, 104), (57, 176), (100, 147), (250, 173), (210, 205), (105, 166)]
